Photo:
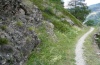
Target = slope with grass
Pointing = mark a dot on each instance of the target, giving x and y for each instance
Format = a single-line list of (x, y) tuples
[(91, 50), (79, 49), (58, 34), (53, 10)]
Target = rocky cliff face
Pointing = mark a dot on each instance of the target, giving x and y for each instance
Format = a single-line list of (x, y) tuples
[(17, 35)]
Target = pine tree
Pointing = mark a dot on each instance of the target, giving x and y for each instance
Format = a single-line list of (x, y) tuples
[(79, 9)]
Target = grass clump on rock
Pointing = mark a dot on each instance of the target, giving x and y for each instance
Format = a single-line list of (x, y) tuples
[(31, 28), (19, 23), (3, 41), (4, 27)]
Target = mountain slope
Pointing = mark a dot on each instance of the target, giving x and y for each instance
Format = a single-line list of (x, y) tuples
[(95, 13), (95, 16), (17, 36), (58, 35), (50, 8), (95, 7), (42, 28)]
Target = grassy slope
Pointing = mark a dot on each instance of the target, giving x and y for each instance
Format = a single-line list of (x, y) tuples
[(48, 6), (91, 57), (60, 52)]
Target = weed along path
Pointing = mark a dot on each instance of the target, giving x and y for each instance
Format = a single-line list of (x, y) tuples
[(79, 49)]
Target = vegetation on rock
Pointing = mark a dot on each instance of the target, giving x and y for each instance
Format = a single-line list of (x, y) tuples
[(59, 52), (38, 21), (90, 23), (3, 41)]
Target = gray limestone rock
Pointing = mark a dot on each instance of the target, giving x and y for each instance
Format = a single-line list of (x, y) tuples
[(17, 36)]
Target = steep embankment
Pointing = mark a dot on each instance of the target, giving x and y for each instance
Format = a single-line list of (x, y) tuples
[(91, 49), (58, 35), (25, 24)]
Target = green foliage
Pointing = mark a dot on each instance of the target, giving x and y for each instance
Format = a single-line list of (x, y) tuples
[(19, 23), (31, 28), (55, 53), (49, 5), (62, 27), (79, 10), (3, 41), (3, 27), (90, 23), (76, 21), (60, 52), (51, 53), (90, 51), (48, 10), (38, 3), (46, 16)]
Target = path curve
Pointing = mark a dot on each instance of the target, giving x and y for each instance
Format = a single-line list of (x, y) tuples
[(79, 49)]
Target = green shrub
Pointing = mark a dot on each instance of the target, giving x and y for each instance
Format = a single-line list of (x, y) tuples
[(48, 10), (62, 27), (19, 23), (46, 16), (3, 41), (31, 28), (4, 27), (90, 23)]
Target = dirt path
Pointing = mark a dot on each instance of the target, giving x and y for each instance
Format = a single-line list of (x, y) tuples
[(79, 49)]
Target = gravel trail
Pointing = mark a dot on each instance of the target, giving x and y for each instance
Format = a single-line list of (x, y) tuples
[(79, 49)]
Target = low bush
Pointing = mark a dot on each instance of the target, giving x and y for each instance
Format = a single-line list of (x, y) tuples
[(19, 23), (4, 27), (48, 10), (3, 41)]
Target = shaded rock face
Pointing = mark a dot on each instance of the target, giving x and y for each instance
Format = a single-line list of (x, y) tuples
[(19, 31), (9, 7)]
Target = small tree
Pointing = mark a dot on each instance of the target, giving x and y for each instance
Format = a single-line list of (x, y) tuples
[(90, 23), (79, 9)]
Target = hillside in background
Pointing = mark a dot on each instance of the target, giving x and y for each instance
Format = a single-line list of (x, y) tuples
[(95, 13), (95, 7)]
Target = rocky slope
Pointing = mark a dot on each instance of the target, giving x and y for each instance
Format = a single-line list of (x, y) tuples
[(17, 27), (57, 35), (17, 35)]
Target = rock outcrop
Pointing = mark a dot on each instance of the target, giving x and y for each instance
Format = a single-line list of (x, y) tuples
[(17, 35)]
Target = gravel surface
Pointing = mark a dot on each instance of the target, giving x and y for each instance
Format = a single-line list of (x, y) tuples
[(79, 49)]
